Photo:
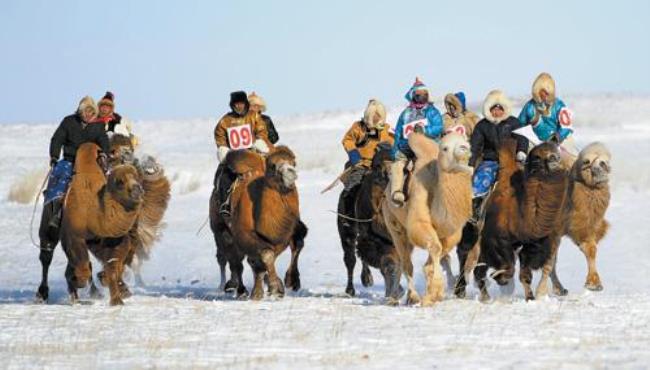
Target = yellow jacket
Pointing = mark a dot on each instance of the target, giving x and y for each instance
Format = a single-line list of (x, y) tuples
[(359, 137), (229, 120)]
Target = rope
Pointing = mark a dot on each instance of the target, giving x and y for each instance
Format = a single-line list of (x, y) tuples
[(203, 225), (31, 222), (352, 218)]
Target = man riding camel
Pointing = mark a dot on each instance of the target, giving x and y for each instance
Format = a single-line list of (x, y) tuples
[(360, 143), (420, 116), (547, 114), (258, 105), (457, 118), (75, 129), (239, 129), (114, 122)]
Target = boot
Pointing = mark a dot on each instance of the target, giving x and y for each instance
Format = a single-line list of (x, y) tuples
[(56, 216), (397, 183)]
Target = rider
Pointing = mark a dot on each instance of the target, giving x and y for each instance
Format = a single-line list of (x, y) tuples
[(421, 116), (497, 125), (360, 143), (238, 129), (113, 121), (549, 115), (74, 130), (258, 105), (458, 118)]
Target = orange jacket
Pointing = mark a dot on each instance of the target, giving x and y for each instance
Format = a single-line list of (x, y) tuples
[(360, 138)]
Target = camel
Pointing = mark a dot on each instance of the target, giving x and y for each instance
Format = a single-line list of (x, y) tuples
[(97, 207), (364, 230), (264, 220), (584, 214), (439, 206), (522, 217)]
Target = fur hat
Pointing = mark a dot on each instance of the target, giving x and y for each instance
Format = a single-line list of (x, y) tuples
[(544, 82), (108, 99), (457, 100), (255, 99), (374, 108), (85, 103), (493, 98), (417, 86)]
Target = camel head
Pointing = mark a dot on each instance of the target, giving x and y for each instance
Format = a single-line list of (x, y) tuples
[(592, 166), (149, 168), (544, 159), (454, 154), (281, 167), (124, 187), (121, 150)]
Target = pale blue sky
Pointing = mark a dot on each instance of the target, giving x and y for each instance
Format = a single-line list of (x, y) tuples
[(176, 59)]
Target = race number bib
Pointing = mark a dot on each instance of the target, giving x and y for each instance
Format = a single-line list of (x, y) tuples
[(459, 129), (565, 117), (408, 128), (240, 137)]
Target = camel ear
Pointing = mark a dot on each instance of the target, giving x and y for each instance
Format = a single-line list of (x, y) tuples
[(555, 139)]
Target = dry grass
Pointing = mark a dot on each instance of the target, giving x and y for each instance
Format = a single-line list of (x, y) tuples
[(25, 188)]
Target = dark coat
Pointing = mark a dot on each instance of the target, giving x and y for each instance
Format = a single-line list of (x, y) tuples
[(270, 127), (487, 136), (114, 121), (72, 132)]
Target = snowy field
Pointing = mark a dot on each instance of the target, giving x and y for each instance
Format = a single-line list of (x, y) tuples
[(181, 321)]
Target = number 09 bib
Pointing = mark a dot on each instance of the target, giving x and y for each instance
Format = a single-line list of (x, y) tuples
[(240, 137)]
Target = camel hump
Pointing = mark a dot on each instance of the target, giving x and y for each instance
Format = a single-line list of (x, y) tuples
[(424, 148), (244, 161), (86, 158)]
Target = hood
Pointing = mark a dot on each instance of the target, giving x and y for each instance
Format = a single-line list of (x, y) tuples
[(375, 109), (544, 82), (457, 100), (496, 97)]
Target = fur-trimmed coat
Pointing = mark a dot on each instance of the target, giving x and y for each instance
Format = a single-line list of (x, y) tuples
[(365, 140), (463, 117)]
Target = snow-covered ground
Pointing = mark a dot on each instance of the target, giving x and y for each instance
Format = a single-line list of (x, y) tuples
[(181, 321)]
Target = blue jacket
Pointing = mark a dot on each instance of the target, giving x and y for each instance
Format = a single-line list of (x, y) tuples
[(433, 127), (556, 121)]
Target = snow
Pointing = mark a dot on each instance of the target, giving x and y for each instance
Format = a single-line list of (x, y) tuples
[(180, 320)]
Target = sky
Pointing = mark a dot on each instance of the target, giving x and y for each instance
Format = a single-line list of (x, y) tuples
[(181, 59)]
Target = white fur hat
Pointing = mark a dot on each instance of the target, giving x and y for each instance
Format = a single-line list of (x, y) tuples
[(493, 98), (255, 99), (543, 82), (375, 108), (87, 102)]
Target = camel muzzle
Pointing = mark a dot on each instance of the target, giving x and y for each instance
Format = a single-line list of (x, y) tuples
[(288, 173)]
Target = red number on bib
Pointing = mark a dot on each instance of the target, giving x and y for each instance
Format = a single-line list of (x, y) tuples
[(565, 117), (240, 137), (408, 128)]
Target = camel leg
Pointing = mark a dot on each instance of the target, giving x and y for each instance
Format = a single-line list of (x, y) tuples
[(276, 288), (480, 277), (292, 276), (589, 249), (258, 274), (72, 287), (542, 287), (467, 252), (94, 292), (558, 288), (449, 274), (526, 278), (435, 290), (350, 261), (45, 256), (366, 276), (390, 268), (221, 260), (346, 233), (412, 296)]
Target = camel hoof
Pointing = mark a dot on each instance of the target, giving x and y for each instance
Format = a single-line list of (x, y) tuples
[(292, 282), (390, 301), (413, 299), (530, 297), (594, 287), (428, 301), (484, 298), (350, 291), (366, 278), (117, 301), (95, 293), (560, 292), (230, 286), (42, 295), (257, 296)]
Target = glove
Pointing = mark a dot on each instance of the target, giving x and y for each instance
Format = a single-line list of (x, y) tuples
[(521, 157), (260, 146), (221, 152), (53, 162), (419, 129), (354, 156)]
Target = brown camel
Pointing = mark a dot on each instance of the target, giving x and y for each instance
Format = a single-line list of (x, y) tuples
[(439, 206), (523, 218), (584, 214), (97, 208), (264, 219)]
